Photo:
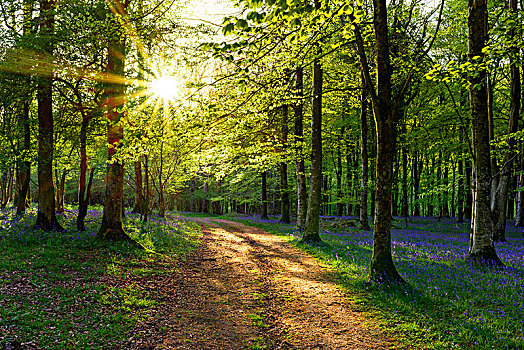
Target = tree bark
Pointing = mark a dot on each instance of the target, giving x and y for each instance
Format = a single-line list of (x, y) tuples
[(139, 205), (148, 189), (416, 169), (363, 214), (460, 191), (481, 249), (205, 204), (382, 268), (24, 175), (60, 193), (519, 212), (111, 227), (284, 193), (404, 206), (501, 194), (161, 194), (299, 139), (340, 205), (312, 224), (264, 196), (46, 216)]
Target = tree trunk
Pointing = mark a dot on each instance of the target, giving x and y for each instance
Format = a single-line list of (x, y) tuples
[(460, 191), (481, 249), (468, 210), (264, 196), (299, 138), (382, 268), (139, 205), (161, 195), (519, 212), (501, 195), (416, 169), (60, 193), (363, 214), (445, 193), (312, 224), (338, 170), (284, 193), (46, 216), (192, 196), (404, 207), (82, 201), (111, 227), (205, 204), (440, 186), (148, 190), (24, 174)]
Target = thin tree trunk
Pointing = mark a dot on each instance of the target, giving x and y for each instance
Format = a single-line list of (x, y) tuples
[(148, 189), (404, 207), (416, 183), (205, 205), (60, 194), (24, 175), (264, 196), (139, 205), (299, 137), (192, 196), (25, 165), (284, 193), (161, 196), (340, 205), (363, 214), (519, 212), (499, 208), (445, 193), (460, 191)]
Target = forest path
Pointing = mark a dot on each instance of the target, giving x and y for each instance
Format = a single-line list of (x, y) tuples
[(248, 289)]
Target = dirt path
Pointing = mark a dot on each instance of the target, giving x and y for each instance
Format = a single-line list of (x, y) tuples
[(247, 289)]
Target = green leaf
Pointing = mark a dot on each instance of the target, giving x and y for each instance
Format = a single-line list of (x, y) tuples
[(296, 22), (241, 24), (228, 29)]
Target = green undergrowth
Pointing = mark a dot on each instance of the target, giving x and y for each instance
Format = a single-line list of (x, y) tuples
[(71, 290), (429, 312)]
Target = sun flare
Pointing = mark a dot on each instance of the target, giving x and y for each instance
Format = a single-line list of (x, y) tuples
[(165, 87)]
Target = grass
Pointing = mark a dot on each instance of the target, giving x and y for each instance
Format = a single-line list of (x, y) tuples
[(448, 303), (70, 290)]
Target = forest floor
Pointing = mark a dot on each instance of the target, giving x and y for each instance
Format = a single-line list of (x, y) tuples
[(248, 289), (209, 282)]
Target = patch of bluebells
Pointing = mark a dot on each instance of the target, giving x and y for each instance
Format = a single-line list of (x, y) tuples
[(21, 229), (430, 254)]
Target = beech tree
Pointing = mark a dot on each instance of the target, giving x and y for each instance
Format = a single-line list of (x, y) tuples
[(481, 248), (46, 217), (114, 95)]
